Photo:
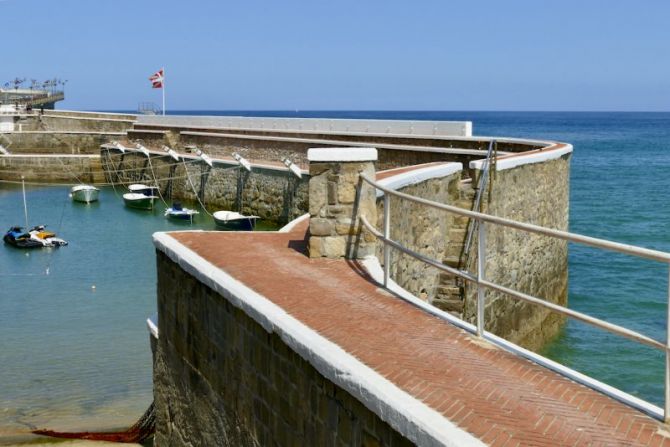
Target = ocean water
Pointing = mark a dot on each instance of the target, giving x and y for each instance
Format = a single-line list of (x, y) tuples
[(77, 357), (74, 345)]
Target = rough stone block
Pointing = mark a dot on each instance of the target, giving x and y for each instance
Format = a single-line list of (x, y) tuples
[(320, 227), (332, 193), (333, 247), (314, 249)]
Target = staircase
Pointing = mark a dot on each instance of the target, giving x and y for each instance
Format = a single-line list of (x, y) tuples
[(449, 293)]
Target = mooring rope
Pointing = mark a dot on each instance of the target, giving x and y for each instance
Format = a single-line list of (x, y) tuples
[(69, 171), (158, 186), (197, 196), (129, 182), (142, 430)]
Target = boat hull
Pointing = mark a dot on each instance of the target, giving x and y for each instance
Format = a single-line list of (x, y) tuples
[(139, 201), (180, 215), (22, 242), (85, 195), (241, 224)]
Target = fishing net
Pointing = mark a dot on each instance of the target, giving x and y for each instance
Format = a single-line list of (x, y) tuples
[(142, 430)]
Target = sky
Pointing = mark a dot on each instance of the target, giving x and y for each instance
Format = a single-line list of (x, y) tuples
[(586, 55)]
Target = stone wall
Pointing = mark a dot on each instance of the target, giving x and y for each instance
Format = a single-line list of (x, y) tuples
[(221, 379), (273, 194), (61, 123), (422, 229), (539, 194), (40, 142), (273, 146), (51, 169), (337, 201)]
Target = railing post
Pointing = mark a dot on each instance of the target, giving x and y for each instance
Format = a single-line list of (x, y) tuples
[(387, 235), (481, 275), (666, 412)]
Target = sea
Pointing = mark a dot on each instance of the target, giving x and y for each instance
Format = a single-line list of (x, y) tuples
[(74, 347)]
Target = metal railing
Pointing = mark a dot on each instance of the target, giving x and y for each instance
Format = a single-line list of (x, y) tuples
[(483, 284)]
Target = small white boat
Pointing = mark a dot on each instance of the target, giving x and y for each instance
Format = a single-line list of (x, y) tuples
[(140, 188), (179, 212), (140, 201), (84, 193), (232, 220)]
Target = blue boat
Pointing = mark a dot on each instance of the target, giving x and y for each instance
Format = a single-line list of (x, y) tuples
[(177, 211)]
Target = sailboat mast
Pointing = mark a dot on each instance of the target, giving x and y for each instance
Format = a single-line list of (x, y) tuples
[(25, 205)]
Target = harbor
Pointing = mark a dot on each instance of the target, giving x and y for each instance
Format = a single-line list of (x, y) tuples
[(111, 294)]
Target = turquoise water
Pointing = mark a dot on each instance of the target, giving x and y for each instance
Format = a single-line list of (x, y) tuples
[(74, 347), (76, 357)]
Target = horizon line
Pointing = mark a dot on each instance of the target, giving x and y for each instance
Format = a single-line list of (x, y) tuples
[(385, 110)]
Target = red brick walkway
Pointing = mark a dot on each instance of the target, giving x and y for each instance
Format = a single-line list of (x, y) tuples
[(499, 398)]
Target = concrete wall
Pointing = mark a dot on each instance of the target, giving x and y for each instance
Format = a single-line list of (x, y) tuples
[(221, 379), (404, 127)]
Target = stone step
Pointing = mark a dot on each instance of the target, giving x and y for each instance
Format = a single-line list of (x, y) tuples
[(451, 261), (457, 234), (467, 194), (448, 290), (465, 204), (448, 304), (447, 280)]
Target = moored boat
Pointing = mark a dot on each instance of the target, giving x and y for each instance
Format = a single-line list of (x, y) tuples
[(84, 193), (37, 237), (139, 188), (232, 220), (139, 201), (177, 211), (16, 237)]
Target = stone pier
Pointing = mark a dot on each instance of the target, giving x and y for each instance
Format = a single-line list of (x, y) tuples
[(337, 200)]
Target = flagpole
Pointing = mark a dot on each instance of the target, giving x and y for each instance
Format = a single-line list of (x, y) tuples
[(163, 91)]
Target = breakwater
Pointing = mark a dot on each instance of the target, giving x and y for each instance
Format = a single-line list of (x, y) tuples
[(271, 191)]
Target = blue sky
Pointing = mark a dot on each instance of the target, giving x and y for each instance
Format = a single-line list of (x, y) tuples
[(346, 55)]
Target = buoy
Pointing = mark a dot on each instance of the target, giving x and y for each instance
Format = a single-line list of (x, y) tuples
[(93, 287)]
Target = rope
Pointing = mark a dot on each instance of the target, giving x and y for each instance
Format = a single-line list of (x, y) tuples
[(67, 168), (142, 430), (197, 196), (158, 186), (169, 165), (129, 182)]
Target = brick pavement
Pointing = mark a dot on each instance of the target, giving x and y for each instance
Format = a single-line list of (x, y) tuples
[(500, 398)]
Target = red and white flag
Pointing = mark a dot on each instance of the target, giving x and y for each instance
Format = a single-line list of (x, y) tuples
[(157, 79)]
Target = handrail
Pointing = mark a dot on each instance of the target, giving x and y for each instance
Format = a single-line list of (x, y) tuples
[(620, 330), (572, 237), (483, 284)]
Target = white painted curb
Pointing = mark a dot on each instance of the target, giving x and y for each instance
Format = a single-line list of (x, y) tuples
[(418, 175), (325, 154), (525, 159)]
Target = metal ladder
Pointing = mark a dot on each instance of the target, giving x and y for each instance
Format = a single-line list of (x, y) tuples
[(491, 154)]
